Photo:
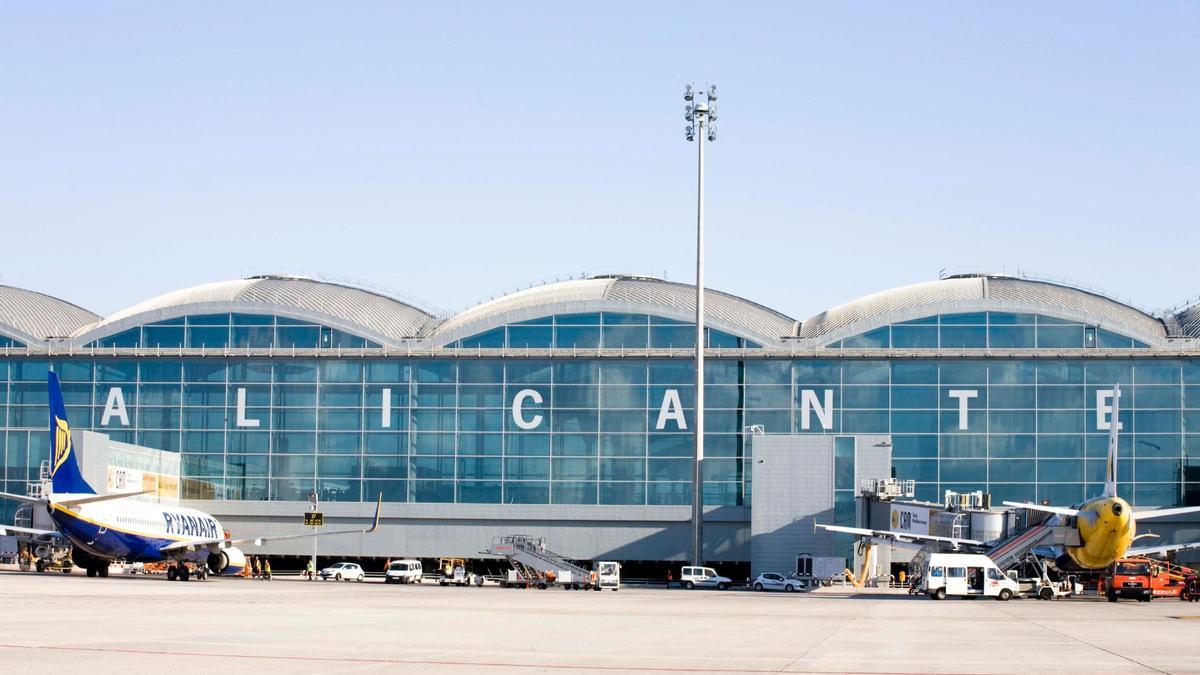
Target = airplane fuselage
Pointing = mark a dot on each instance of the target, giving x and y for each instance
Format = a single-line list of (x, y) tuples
[(1106, 531), (135, 531)]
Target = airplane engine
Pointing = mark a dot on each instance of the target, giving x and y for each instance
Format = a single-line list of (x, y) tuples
[(230, 561)]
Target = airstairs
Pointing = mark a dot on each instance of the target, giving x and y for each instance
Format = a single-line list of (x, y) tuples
[(534, 564)]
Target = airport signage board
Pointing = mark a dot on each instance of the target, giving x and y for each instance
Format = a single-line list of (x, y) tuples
[(910, 519), (314, 519)]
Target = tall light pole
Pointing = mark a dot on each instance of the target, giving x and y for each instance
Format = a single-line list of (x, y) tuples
[(701, 113)]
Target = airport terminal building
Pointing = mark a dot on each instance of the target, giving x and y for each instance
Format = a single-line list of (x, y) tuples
[(566, 410)]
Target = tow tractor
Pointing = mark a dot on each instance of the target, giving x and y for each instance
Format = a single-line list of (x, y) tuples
[(453, 572), (1033, 577)]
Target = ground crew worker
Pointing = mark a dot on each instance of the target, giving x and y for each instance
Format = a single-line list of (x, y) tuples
[(267, 569), (308, 570), (903, 576), (668, 578), (257, 569)]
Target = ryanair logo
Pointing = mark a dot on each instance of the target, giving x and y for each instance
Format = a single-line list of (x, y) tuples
[(62, 442)]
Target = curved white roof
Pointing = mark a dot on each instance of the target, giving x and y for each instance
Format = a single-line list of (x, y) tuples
[(1189, 321), (32, 317), (370, 315), (640, 295), (981, 293)]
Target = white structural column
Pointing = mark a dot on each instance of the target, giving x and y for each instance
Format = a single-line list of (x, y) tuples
[(698, 468), (701, 114)]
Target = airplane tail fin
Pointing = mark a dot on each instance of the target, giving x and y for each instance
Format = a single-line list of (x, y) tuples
[(1114, 426), (65, 477)]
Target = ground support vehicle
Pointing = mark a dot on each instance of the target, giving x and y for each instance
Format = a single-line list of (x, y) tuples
[(178, 571), (703, 577), (965, 575), (608, 575), (1128, 579), (1035, 579), (534, 565), (1166, 579), (453, 572), (403, 572), (1191, 589)]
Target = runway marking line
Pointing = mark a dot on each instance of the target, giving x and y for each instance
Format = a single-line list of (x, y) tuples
[(416, 662)]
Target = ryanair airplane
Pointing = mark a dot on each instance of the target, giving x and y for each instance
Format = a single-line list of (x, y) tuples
[(103, 528), (1106, 526)]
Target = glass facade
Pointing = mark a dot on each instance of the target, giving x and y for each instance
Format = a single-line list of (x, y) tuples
[(988, 330), (613, 430), (608, 330), (240, 331), (6, 341)]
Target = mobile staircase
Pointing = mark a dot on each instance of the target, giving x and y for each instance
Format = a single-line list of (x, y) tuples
[(534, 565)]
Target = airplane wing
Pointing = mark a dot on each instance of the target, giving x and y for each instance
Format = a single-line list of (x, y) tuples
[(221, 542), (1160, 550), (902, 537), (10, 529), (1163, 513), (1060, 510), (21, 498)]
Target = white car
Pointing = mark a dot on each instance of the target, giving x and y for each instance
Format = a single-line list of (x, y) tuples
[(342, 570), (771, 581), (703, 577), (403, 572)]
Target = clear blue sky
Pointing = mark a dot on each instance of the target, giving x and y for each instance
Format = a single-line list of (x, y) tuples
[(458, 152)]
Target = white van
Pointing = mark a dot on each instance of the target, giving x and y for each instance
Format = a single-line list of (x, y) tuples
[(965, 575), (403, 572), (703, 577)]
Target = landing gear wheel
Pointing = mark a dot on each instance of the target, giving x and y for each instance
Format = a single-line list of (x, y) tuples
[(40, 566), (1005, 595), (91, 571), (939, 594), (184, 573), (172, 573), (1046, 593), (103, 570)]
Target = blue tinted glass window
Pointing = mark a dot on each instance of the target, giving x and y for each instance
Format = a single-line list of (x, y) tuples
[(577, 320), (914, 337), (875, 339), (1007, 318), (963, 337), (625, 337), (533, 337), (618, 319), (1062, 337), (584, 337), (128, 338), (492, 339), (298, 337), (966, 319), (679, 337), (162, 336), (1012, 337)]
